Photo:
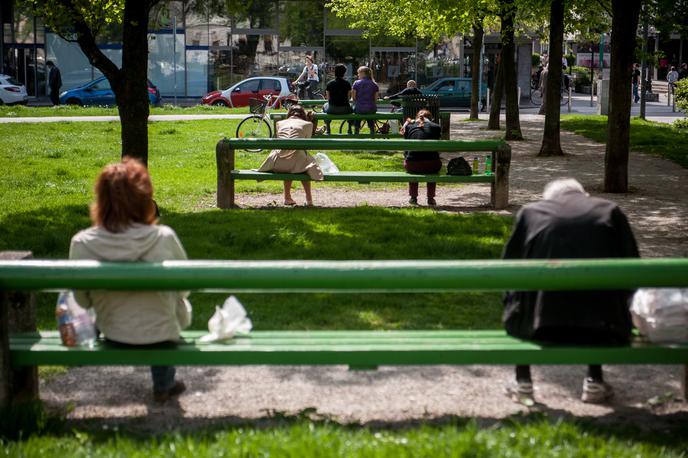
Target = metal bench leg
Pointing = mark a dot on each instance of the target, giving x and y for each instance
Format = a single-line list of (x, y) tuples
[(224, 156)]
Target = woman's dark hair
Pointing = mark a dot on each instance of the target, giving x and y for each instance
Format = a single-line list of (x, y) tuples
[(124, 196), (422, 116), (298, 111), (339, 70)]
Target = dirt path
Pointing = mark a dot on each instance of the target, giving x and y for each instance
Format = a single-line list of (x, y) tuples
[(657, 207)]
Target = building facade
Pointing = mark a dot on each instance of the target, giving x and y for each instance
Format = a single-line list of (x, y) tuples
[(194, 48)]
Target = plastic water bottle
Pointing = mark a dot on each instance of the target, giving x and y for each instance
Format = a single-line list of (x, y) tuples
[(476, 165), (75, 324), (488, 165), (65, 321)]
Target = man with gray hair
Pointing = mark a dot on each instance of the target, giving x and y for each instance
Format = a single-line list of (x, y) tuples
[(569, 223)]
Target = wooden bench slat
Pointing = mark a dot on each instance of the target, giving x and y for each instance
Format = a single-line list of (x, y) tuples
[(355, 348), (353, 116), (363, 177)]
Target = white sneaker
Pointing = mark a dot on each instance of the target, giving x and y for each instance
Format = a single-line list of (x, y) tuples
[(595, 392), (521, 392)]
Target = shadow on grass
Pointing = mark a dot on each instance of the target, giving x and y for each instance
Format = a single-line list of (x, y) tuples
[(314, 234)]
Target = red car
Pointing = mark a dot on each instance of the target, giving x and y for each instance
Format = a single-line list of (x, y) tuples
[(251, 88)]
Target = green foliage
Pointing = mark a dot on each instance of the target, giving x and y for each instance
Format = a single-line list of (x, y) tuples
[(97, 14), (21, 111), (646, 136), (582, 76), (681, 94), (535, 59), (681, 123)]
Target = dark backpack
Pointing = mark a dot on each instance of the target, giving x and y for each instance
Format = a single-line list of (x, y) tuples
[(458, 166)]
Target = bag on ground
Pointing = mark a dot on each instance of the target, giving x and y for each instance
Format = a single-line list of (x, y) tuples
[(459, 166), (325, 163), (661, 314)]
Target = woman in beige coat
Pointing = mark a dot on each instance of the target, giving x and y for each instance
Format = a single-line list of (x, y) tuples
[(297, 125)]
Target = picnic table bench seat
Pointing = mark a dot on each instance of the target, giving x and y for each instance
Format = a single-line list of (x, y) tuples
[(498, 180)]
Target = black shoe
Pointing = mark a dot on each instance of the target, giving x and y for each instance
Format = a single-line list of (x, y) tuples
[(413, 201), (164, 396), (431, 202)]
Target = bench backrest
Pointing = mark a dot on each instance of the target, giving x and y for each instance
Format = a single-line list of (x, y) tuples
[(382, 144), (346, 276)]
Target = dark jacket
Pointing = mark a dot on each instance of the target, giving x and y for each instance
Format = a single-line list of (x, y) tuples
[(572, 226), (429, 131), (405, 92), (55, 79)]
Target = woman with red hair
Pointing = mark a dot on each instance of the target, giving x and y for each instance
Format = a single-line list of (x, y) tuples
[(125, 228)]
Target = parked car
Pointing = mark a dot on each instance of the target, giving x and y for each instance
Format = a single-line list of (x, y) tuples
[(12, 91), (250, 88), (98, 92), (453, 91)]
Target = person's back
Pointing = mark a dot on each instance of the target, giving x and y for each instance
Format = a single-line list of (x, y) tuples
[(428, 131), (566, 224)]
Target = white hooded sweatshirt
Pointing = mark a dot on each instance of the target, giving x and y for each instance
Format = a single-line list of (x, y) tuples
[(134, 317)]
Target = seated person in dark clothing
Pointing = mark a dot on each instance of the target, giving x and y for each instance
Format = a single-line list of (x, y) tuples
[(411, 89), (338, 92), (422, 128), (568, 223)]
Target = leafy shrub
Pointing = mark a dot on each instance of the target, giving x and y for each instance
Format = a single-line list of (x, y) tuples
[(536, 59), (681, 94), (681, 123)]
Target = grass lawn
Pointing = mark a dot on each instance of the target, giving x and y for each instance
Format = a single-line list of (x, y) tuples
[(47, 186), (21, 111), (646, 136), (535, 436)]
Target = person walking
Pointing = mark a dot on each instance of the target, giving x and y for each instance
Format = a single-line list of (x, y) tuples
[(635, 80), (54, 82), (569, 223)]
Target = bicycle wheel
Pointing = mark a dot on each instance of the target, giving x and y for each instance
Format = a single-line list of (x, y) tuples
[(344, 127), (254, 127), (536, 98)]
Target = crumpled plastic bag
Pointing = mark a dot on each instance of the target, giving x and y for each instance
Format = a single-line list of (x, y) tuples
[(228, 321), (325, 163), (661, 314)]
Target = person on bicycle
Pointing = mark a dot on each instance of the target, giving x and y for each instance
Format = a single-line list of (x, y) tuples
[(310, 77), (364, 93), (338, 92)]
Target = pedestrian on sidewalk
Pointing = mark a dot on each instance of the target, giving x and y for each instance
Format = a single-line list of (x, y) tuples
[(635, 79), (54, 81)]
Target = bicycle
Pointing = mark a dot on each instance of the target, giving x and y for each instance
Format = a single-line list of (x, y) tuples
[(536, 97), (300, 93), (257, 124), (382, 127)]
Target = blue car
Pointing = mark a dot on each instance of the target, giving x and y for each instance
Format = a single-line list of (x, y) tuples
[(453, 91), (98, 92)]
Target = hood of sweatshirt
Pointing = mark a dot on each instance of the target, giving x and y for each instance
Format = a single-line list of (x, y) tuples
[(130, 245)]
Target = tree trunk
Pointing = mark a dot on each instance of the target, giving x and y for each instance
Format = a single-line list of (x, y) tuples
[(624, 26), (513, 124), (475, 70), (551, 145), (132, 96), (497, 91), (129, 82)]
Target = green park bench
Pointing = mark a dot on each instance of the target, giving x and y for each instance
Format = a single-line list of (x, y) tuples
[(21, 350), (498, 179), (398, 116)]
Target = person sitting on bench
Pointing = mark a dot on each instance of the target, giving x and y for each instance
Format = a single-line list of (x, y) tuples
[(568, 223), (410, 89), (338, 94), (422, 128), (125, 229), (297, 125)]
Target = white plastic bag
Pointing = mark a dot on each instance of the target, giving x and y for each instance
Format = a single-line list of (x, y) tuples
[(228, 321), (325, 163), (661, 314), (77, 325)]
